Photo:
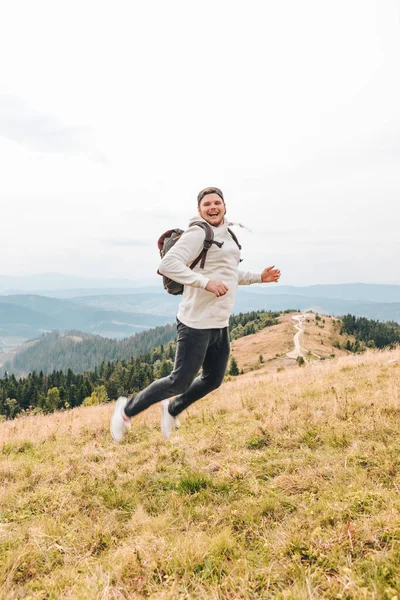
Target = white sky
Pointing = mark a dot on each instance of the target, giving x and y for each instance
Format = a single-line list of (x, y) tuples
[(114, 114)]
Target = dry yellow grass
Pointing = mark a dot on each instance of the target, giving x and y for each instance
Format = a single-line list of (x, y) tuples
[(327, 331), (282, 486), (271, 342)]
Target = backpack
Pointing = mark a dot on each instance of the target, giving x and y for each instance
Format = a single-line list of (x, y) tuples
[(169, 239)]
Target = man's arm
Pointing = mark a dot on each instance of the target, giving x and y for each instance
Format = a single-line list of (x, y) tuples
[(247, 277), (270, 274), (175, 263), (183, 253)]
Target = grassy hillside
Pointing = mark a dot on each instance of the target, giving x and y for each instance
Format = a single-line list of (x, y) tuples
[(278, 485), (81, 351)]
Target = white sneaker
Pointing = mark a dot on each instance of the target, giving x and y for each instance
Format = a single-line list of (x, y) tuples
[(119, 421), (168, 422)]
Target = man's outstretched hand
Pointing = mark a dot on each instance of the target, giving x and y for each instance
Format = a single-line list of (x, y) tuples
[(270, 274)]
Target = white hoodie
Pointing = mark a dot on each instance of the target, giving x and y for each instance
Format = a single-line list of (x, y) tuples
[(201, 309)]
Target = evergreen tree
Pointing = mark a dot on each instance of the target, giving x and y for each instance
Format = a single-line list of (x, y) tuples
[(233, 370), (53, 400)]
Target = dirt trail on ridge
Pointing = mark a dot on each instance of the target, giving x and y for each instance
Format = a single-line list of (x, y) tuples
[(297, 348)]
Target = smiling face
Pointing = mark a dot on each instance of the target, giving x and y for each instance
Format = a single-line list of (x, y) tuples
[(212, 208)]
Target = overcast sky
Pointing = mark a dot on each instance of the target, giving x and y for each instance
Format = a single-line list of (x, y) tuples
[(113, 115)]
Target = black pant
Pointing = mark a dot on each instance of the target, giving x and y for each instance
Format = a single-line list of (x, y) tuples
[(195, 348)]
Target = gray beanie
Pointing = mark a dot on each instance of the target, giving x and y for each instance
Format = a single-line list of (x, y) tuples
[(209, 190)]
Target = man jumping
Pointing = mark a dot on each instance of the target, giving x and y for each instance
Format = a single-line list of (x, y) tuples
[(202, 320)]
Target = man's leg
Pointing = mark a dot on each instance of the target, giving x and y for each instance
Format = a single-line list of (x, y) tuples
[(191, 349), (214, 368)]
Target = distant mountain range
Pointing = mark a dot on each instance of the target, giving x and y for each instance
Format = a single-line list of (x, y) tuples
[(345, 291), (39, 283), (335, 302), (372, 301), (29, 315), (57, 285)]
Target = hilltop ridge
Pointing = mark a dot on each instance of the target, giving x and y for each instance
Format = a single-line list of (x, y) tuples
[(319, 338)]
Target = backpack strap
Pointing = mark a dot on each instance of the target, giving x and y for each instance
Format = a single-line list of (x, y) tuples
[(235, 239), (208, 241)]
